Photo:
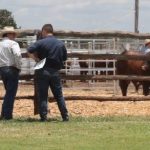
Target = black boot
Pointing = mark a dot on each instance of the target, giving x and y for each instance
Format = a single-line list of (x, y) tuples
[(43, 118), (6, 117), (65, 118)]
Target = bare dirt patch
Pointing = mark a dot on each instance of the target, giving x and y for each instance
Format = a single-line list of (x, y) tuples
[(24, 107)]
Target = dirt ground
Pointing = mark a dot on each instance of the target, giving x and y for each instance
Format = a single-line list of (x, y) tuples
[(24, 107)]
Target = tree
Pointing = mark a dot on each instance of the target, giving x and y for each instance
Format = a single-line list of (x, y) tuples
[(6, 19)]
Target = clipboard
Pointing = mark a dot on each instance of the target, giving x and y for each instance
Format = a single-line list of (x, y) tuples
[(40, 64)]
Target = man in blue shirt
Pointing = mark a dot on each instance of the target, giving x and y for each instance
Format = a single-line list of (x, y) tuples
[(55, 53)]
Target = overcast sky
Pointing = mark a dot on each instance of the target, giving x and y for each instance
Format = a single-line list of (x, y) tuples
[(79, 15)]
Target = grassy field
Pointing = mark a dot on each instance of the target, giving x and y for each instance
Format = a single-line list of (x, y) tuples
[(96, 133)]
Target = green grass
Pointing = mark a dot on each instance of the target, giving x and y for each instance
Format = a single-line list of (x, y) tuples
[(96, 133)]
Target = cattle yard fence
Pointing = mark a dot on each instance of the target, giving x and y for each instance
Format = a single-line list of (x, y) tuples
[(91, 51), (98, 77)]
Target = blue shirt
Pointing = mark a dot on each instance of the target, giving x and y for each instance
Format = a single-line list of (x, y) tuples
[(52, 49)]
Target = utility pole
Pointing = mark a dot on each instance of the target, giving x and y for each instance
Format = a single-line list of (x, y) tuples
[(136, 29)]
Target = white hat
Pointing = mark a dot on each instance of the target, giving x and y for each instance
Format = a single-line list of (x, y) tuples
[(8, 29), (147, 41)]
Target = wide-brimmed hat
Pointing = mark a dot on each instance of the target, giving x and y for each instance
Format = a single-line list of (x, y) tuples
[(147, 41), (8, 29)]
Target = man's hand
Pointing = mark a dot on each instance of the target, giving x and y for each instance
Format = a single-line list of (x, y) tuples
[(34, 56)]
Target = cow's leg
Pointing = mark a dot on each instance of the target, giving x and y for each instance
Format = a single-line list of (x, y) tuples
[(124, 86), (146, 88)]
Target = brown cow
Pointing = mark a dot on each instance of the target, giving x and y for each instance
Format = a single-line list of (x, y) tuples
[(132, 67)]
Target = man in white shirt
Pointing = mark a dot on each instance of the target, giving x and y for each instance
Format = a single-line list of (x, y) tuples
[(10, 65)]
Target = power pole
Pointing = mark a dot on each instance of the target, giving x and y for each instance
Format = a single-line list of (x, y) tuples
[(136, 29)]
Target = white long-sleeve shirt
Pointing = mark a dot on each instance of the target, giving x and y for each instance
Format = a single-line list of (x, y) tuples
[(10, 53)]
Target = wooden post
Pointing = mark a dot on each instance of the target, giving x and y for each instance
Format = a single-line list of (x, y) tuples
[(136, 16), (36, 104)]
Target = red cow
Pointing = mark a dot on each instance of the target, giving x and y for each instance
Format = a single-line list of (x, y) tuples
[(132, 67)]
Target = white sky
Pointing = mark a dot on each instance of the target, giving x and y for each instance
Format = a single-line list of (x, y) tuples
[(79, 15)]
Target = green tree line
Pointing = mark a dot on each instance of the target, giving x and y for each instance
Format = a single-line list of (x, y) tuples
[(7, 19)]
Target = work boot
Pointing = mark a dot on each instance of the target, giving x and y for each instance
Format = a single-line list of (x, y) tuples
[(6, 116), (65, 118), (43, 118)]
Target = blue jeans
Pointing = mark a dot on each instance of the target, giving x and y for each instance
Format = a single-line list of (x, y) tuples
[(10, 77), (44, 79)]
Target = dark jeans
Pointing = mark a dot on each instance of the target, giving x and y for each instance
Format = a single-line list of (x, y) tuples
[(10, 77), (44, 79)]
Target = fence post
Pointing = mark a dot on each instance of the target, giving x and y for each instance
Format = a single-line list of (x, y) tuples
[(36, 104)]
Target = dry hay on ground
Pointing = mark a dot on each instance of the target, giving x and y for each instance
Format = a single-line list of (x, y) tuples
[(84, 108)]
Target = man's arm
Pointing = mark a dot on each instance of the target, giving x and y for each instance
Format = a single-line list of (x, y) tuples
[(34, 56), (17, 55), (32, 51), (64, 53)]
